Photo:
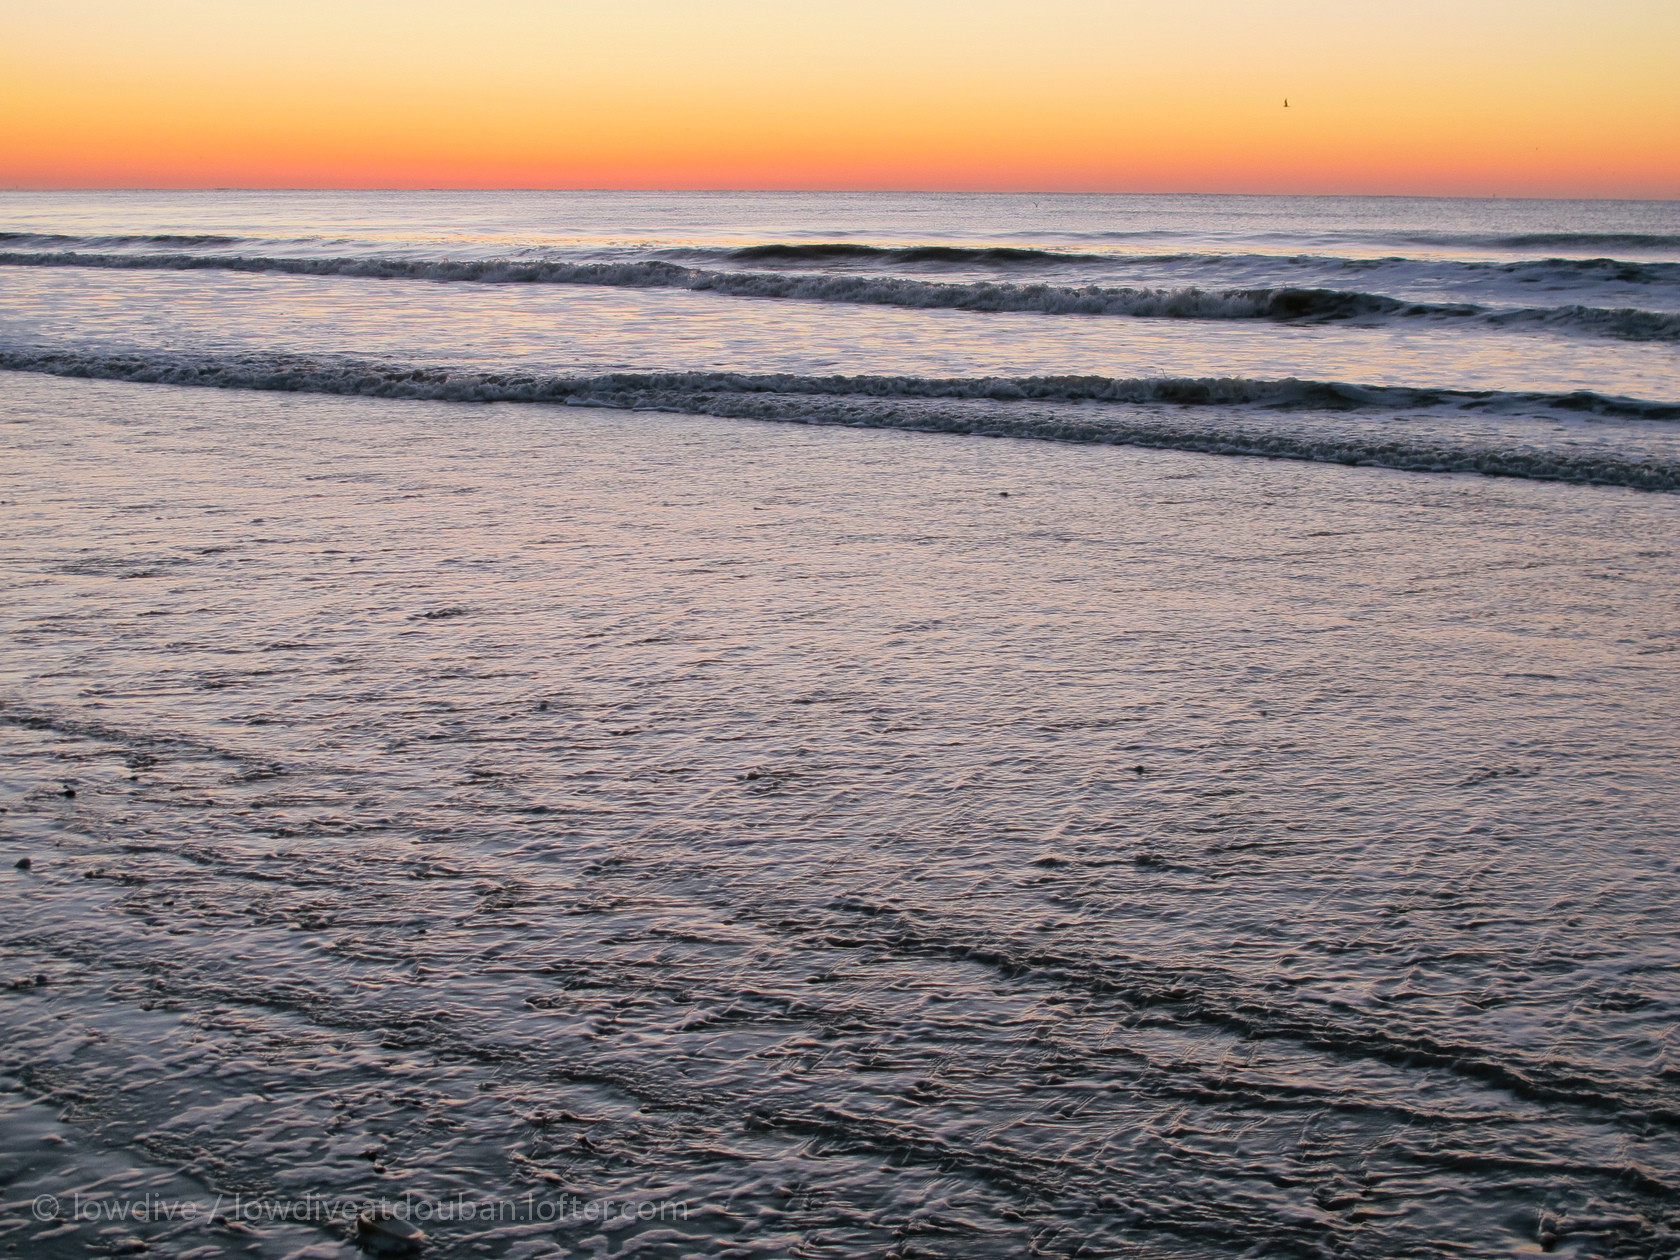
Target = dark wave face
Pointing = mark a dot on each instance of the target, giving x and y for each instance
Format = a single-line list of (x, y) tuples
[(351, 376), (979, 255), (1303, 305), (1138, 412), (58, 239), (1601, 269), (779, 251), (1589, 268), (1583, 240)]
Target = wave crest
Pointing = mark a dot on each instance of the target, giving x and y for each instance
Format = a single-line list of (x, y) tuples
[(982, 255), (1192, 414), (1283, 304)]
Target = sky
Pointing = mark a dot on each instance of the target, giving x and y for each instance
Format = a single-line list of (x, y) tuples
[(1449, 97)]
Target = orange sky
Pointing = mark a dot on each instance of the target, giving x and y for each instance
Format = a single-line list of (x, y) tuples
[(1477, 97)]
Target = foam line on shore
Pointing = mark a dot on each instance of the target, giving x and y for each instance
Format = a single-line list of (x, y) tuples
[(1202, 414)]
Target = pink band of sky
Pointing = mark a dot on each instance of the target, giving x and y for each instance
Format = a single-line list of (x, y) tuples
[(1472, 97)]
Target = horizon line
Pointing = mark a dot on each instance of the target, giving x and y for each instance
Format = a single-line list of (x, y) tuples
[(729, 191)]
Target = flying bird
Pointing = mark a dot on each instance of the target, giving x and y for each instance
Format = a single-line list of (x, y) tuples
[(1286, 102)]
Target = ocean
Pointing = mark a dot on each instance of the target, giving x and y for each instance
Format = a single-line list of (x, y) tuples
[(837, 725)]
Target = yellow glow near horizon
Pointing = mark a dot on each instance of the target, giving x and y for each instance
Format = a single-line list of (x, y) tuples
[(1513, 97)]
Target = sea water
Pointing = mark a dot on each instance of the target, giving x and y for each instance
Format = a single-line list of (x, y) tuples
[(762, 725)]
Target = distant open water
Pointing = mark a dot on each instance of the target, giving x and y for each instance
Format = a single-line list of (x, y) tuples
[(1213, 825)]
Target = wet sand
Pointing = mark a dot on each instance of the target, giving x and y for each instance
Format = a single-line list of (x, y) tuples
[(873, 842)]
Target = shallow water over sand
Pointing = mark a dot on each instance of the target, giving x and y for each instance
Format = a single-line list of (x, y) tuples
[(1053, 848)]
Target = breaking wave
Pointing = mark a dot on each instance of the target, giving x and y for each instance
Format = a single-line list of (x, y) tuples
[(40, 240), (1597, 270), (1301, 305), (984, 255), (1566, 240), (1192, 414), (1536, 270), (1654, 241), (1004, 257)]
